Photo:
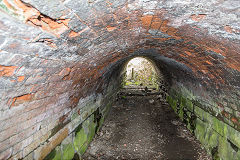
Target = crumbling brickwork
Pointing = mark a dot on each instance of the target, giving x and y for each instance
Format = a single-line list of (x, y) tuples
[(55, 55)]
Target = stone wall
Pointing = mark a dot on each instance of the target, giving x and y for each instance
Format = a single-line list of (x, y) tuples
[(219, 135), (53, 54)]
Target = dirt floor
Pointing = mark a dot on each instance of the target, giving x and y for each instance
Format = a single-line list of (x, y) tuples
[(143, 127)]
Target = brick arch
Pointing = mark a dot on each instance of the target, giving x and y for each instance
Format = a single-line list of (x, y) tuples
[(59, 57)]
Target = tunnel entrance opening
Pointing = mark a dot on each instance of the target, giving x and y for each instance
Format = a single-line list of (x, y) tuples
[(140, 73)]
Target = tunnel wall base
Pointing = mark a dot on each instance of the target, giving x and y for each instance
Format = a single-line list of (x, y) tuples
[(74, 138), (76, 143), (220, 139)]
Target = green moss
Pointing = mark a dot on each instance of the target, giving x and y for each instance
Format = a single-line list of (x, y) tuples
[(223, 149), (238, 154), (68, 152), (219, 138), (83, 149), (181, 114), (84, 135), (183, 101), (106, 109), (233, 135), (200, 131), (92, 129), (169, 100), (213, 139), (172, 103), (199, 112), (189, 105), (218, 126), (80, 139), (127, 83)]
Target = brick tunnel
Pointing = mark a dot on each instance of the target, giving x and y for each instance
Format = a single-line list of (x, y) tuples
[(61, 65)]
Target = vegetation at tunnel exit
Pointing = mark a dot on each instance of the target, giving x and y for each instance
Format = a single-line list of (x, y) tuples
[(140, 72)]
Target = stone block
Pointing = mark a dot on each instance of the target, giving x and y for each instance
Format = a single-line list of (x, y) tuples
[(218, 126), (29, 156), (68, 151), (92, 131), (45, 149), (233, 135), (56, 154), (80, 140), (225, 150), (200, 130), (21, 145), (189, 105)]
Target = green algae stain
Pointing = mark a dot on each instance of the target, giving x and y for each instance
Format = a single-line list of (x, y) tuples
[(92, 129), (68, 152), (80, 140)]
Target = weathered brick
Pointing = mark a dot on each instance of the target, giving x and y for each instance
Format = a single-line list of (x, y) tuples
[(198, 17), (44, 150), (65, 72), (20, 78), (19, 147), (21, 99), (24, 135), (35, 144), (6, 154), (4, 145), (7, 71), (146, 20), (5, 134), (44, 72)]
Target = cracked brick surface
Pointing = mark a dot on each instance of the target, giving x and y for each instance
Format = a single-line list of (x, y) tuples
[(55, 53)]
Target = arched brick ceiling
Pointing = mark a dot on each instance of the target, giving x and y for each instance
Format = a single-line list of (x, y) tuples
[(54, 52), (90, 35), (202, 35)]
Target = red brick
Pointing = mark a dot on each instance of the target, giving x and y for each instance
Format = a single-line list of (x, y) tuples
[(156, 25), (164, 26), (21, 99), (198, 17), (7, 71), (73, 34), (228, 29), (21, 78), (65, 72), (146, 21), (235, 120)]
